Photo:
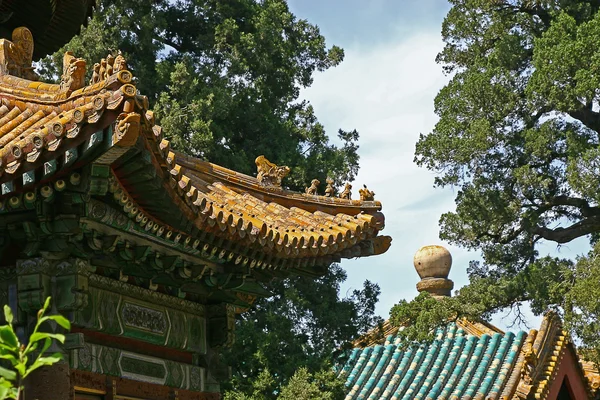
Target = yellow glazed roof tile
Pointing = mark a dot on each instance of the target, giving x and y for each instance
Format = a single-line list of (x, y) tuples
[(41, 123)]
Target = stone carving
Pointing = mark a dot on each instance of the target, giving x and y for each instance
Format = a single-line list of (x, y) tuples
[(314, 184), (73, 266), (73, 76), (366, 194), (144, 318), (329, 190), (16, 56), (347, 193), (54, 268), (270, 174)]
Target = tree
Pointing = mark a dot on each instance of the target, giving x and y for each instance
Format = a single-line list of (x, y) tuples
[(302, 386), (518, 134), (304, 324), (224, 79)]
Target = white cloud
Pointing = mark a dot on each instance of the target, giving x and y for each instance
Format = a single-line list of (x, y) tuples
[(386, 92)]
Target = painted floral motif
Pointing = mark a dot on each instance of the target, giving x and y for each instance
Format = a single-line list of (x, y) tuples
[(144, 318)]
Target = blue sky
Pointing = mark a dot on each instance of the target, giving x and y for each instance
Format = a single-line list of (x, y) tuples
[(385, 89)]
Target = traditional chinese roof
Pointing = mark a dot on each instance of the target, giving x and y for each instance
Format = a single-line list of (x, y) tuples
[(466, 361), (98, 144), (52, 22)]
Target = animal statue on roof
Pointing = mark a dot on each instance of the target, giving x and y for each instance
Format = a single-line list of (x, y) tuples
[(314, 185), (95, 74), (329, 190), (270, 174), (120, 64), (366, 194), (73, 76), (347, 193)]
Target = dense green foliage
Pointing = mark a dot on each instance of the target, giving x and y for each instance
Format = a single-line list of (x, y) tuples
[(304, 324), (24, 359), (224, 79), (302, 386), (518, 135)]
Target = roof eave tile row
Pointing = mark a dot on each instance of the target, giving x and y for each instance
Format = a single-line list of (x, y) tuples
[(456, 365), (40, 122), (289, 232), (32, 124)]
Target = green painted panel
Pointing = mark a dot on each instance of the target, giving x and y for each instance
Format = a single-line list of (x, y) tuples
[(144, 322), (109, 361), (196, 334), (143, 367), (115, 362), (176, 375), (87, 316), (107, 312), (196, 378), (177, 335), (121, 315)]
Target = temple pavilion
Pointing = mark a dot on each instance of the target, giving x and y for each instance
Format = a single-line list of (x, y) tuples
[(149, 253), (468, 360)]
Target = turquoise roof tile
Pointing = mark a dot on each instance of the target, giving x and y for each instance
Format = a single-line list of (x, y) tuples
[(454, 365)]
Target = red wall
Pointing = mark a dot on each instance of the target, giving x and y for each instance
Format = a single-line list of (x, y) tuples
[(568, 368)]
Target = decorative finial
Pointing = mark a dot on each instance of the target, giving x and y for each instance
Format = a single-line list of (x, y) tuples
[(314, 184), (366, 194), (433, 265), (329, 190), (270, 174), (347, 193)]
